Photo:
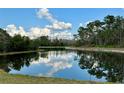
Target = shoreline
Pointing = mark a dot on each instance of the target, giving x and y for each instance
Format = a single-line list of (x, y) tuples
[(25, 79), (20, 52), (96, 49), (90, 49)]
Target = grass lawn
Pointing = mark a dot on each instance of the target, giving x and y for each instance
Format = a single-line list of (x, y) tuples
[(6, 78)]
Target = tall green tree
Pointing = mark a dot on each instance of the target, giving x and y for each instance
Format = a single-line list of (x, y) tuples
[(109, 32), (4, 41)]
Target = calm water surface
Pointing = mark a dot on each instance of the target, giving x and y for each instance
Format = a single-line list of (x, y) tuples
[(67, 64)]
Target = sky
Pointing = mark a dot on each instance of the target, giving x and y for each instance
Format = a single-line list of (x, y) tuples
[(53, 22)]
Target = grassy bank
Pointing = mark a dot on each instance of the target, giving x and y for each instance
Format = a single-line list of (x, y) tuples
[(6, 78), (97, 49)]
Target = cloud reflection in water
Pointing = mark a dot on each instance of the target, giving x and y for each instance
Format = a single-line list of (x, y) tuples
[(53, 61)]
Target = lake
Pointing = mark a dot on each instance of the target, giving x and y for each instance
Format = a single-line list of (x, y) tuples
[(92, 66)]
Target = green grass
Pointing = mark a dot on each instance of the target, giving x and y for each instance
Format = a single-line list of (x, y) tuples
[(6, 78)]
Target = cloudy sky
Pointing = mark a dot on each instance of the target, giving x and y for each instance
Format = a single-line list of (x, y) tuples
[(54, 22)]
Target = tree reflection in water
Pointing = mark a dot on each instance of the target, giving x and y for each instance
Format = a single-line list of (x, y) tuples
[(17, 61), (108, 65), (55, 60)]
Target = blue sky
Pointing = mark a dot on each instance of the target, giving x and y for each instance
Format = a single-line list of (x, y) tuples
[(27, 17)]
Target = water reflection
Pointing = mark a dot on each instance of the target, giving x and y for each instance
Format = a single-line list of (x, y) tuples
[(67, 64), (108, 65), (16, 61), (48, 64), (57, 61)]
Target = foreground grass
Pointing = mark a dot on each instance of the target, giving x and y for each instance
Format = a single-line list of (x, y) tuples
[(6, 78)]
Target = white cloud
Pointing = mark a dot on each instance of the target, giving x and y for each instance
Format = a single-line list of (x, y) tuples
[(60, 26), (44, 13), (21, 31), (56, 29), (55, 24), (62, 35), (13, 30), (37, 32), (33, 32)]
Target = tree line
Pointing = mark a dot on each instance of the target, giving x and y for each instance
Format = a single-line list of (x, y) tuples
[(106, 33), (23, 43)]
